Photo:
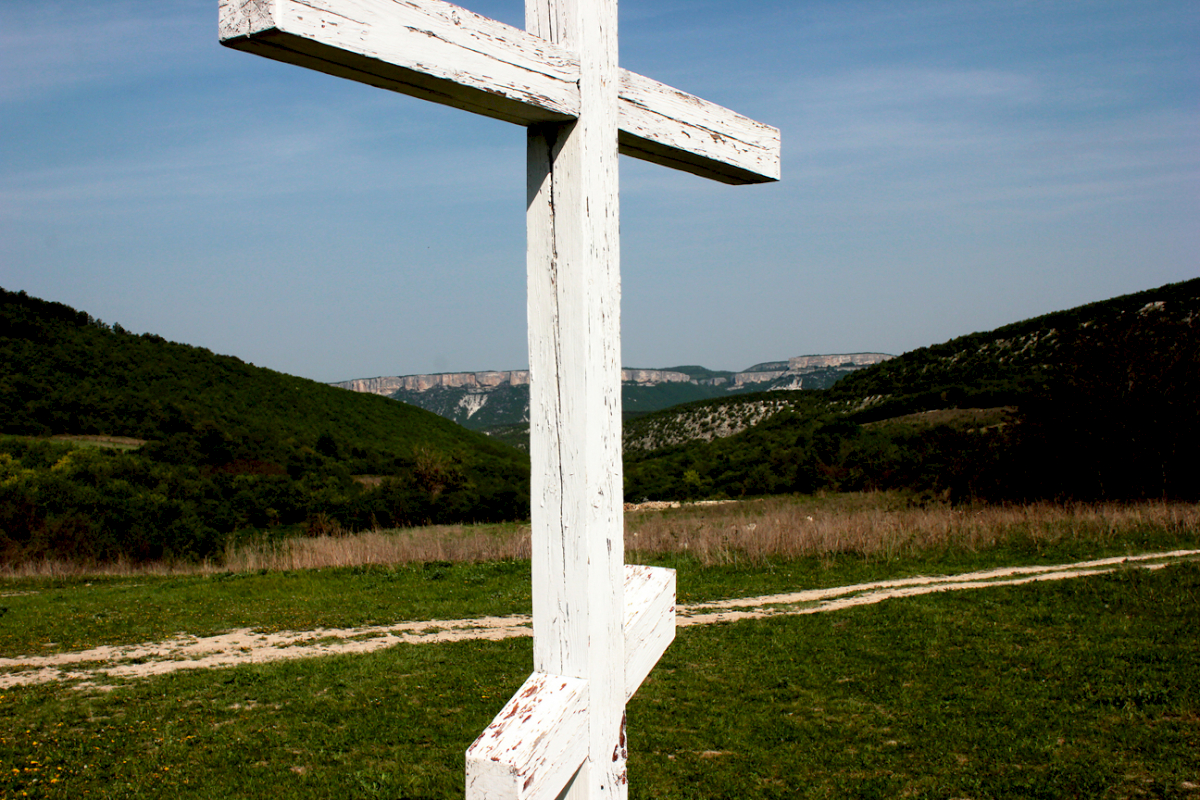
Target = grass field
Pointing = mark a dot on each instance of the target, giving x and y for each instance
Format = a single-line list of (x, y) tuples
[(112, 442), (1081, 688)]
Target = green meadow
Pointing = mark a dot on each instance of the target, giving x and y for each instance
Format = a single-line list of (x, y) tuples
[(1088, 687)]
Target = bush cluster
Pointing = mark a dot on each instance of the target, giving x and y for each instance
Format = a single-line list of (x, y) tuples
[(1113, 414), (231, 449)]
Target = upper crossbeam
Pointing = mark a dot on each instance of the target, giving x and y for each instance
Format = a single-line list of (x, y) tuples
[(441, 52)]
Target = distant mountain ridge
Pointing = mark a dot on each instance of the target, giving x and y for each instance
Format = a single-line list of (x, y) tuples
[(1097, 402), (986, 369), (490, 399)]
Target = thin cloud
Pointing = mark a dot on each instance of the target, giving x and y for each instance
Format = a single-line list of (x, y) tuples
[(983, 137), (53, 47), (261, 155)]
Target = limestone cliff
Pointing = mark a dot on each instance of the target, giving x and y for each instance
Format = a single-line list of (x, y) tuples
[(446, 380), (488, 380), (491, 399), (802, 363)]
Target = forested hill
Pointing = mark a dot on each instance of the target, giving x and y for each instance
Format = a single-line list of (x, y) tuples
[(296, 449), (988, 369), (66, 372), (998, 367), (1097, 402)]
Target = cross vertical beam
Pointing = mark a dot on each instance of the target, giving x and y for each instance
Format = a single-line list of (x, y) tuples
[(599, 626), (574, 295)]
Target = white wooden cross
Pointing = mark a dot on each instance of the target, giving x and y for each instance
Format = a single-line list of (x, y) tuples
[(599, 626)]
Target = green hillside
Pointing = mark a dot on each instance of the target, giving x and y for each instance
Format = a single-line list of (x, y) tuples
[(1094, 402), (1002, 366), (637, 400), (229, 447), (1098, 401)]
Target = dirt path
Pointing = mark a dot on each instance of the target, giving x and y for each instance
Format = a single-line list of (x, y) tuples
[(97, 666)]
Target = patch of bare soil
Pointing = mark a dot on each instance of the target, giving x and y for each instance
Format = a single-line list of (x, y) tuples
[(659, 505), (98, 667), (101, 441)]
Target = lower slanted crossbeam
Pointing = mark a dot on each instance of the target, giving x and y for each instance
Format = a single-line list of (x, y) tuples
[(538, 741)]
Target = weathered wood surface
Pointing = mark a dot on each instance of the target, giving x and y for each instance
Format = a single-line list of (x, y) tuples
[(425, 48), (670, 127), (574, 305), (540, 738), (649, 621), (598, 625), (534, 745), (440, 52)]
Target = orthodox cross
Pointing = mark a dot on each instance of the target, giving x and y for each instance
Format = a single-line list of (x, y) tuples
[(599, 626)]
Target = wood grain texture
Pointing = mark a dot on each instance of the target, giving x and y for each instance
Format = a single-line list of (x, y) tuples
[(575, 382), (599, 626), (534, 745), (675, 129), (440, 52), (426, 48), (243, 17), (649, 621)]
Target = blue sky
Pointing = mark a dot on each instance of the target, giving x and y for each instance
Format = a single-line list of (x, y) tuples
[(948, 167)]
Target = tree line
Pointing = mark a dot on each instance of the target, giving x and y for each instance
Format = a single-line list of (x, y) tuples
[(232, 450), (1112, 412), (1103, 405)]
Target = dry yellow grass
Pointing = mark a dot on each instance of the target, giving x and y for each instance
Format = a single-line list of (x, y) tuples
[(866, 525), (59, 568), (873, 525), (407, 546)]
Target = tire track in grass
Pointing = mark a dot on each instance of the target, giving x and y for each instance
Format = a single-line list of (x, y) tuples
[(815, 601), (97, 667)]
